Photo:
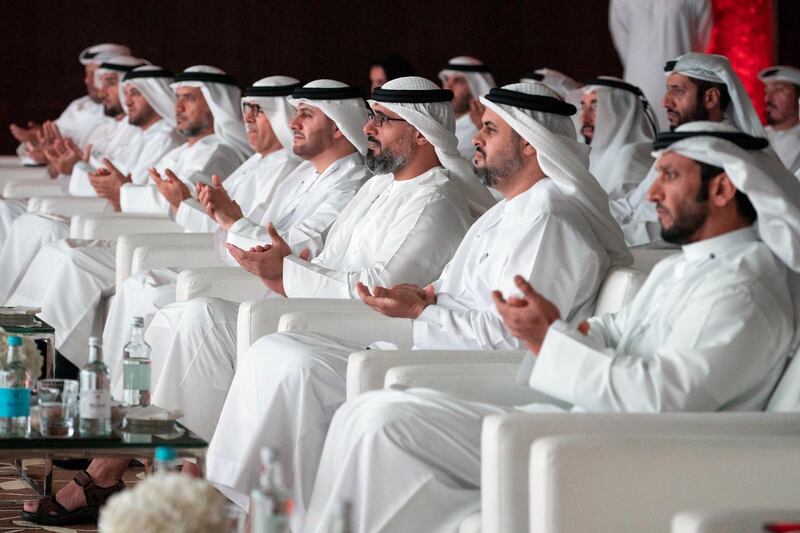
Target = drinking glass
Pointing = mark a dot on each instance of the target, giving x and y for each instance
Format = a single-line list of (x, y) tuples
[(58, 407)]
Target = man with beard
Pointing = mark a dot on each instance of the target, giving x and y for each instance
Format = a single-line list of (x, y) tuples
[(614, 114), (520, 234), (150, 106), (468, 78), (685, 343), (781, 91), (82, 114), (71, 278), (698, 87)]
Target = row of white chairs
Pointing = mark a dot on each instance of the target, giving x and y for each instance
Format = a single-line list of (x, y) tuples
[(554, 472)]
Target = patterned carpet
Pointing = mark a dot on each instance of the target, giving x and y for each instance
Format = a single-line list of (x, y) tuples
[(13, 491)]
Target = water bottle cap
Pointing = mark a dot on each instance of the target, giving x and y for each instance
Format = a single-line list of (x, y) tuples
[(165, 453), (14, 340), (95, 341), (137, 321)]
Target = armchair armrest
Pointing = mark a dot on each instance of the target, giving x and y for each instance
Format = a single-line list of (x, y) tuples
[(506, 439), (262, 317), (110, 226), (493, 380), (32, 187), (348, 319), (21, 173), (177, 256), (128, 244), (636, 483), (231, 283), (67, 206)]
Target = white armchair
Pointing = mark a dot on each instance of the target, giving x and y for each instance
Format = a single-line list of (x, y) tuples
[(10, 173), (635, 482), (143, 251), (732, 520)]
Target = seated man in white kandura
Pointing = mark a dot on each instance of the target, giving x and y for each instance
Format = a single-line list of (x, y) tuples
[(70, 278), (553, 226), (711, 330), (246, 193), (403, 226)]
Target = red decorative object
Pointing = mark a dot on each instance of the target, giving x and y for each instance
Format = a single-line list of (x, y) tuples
[(742, 32)]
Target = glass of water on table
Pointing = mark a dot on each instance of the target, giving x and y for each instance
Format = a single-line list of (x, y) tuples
[(58, 407)]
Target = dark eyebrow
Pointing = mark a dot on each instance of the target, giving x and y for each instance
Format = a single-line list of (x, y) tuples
[(489, 123)]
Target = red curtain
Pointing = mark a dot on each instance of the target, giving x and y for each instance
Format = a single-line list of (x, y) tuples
[(742, 32)]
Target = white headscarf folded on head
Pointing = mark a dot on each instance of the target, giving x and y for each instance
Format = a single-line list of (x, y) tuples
[(559, 82), (780, 73), (119, 65), (770, 187), (565, 161), (100, 52), (716, 69), (436, 122), (621, 118), (275, 104), (480, 80), (349, 113), (153, 82), (222, 96)]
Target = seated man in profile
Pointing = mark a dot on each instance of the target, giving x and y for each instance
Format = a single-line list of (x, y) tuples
[(710, 330)]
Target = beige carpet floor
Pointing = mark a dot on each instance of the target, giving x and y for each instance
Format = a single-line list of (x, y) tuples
[(14, 491)]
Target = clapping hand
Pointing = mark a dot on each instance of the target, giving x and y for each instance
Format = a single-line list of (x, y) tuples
[(172, 189), (400, 301), (527, 317), (217, 203)]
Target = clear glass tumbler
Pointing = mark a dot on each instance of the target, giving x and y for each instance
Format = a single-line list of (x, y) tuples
[(58, 407)]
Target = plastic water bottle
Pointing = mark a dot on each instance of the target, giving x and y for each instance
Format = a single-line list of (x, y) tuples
[(136, 366), (340, 518), (165, 460), (270, 502), (95, 395), (15, 396)]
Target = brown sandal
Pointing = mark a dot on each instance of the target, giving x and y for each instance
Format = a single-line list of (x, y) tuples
[(51, 513)]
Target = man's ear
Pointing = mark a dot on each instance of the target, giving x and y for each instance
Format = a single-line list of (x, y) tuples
[(721, 190), (527, 148), (419, 138), (711, 98), (337, 133)]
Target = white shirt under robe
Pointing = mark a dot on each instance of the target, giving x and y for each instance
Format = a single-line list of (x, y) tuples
[(465, 132), (786, 144), (538, 234), (31, 231), (70, 279), (144, 293), (390, 233), (685, 343)]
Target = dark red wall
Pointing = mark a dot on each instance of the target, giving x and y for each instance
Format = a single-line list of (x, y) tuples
[(337, 39)]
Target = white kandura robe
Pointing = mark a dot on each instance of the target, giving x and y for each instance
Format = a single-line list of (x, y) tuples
[(465, 132), (144, 293), (70, 279), (648, 33), (307, 371), (786, 144), (99, 138), (391, 232), (31, 231), (685, 343)]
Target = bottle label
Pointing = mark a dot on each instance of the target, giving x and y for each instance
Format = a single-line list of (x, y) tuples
[(95, 404), (136, 376), (15, 402)]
